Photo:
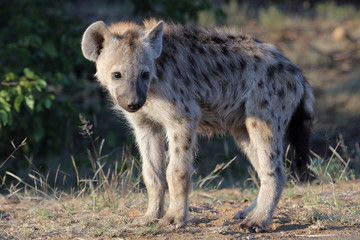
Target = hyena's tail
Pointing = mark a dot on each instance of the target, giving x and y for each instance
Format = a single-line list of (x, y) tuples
[(298, 135)]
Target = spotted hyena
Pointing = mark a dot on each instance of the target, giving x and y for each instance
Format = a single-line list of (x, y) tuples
[(172, 82)]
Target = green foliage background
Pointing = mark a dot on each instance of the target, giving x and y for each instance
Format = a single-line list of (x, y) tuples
[(41, 72)]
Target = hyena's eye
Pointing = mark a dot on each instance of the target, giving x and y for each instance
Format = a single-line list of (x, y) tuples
[(145, 75), (116, 75)]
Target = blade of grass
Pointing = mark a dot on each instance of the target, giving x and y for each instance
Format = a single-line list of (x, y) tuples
[(26, 184), (12, 154)]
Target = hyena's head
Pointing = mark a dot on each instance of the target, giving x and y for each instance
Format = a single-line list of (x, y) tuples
[(125, 61)]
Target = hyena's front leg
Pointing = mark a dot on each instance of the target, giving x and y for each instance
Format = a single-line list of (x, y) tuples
[(150, 139), (182, 140), (267, 143)]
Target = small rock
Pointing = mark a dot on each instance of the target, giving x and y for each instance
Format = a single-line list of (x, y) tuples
[(339, 34)]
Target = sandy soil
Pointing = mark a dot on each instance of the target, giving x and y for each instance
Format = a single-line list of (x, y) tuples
[(321, 211)]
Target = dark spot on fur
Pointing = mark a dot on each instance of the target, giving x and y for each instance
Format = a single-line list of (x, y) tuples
[(264, 103), (281, 93), (231, 37), (241, 38), (291, 86), (254, 124), (176, 138), (187, 79), (277, 151), (217, 40), (187, 109), (186, 147), (260, 84), (280, 67), (225, 51), (220, 67), (270, 71), (189, 140), (242, 64), (177, 150), (201, 50), (279, 128), (183, 177)]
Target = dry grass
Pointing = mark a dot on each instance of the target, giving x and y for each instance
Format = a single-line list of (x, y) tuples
[(104, 206)]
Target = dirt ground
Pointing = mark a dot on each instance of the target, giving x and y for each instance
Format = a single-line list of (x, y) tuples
[(323, 211)]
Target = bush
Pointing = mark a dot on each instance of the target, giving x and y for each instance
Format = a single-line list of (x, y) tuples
[(41, 68)]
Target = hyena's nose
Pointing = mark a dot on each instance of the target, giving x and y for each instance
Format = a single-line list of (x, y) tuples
[(134, 106)]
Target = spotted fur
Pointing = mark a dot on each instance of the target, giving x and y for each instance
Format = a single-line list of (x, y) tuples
[(179, 81)]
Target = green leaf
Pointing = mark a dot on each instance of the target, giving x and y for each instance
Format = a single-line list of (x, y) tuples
[(47, 103), (4, 105), (50, 49), (29, 100), (29, 74), (9, 76), (41, 82), (3, 116), (18, 100)]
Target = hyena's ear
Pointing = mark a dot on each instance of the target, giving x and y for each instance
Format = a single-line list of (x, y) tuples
[(154, 39), (93, 39)]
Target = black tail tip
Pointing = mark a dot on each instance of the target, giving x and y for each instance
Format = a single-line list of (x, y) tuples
[(298, 135)]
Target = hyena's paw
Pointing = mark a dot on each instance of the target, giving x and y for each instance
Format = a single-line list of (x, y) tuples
[(145, 220), (178, 221), (250, 226)]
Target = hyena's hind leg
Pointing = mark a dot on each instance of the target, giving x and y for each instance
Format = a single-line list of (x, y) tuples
[(266, 157), (150, 138), (241, 137)]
